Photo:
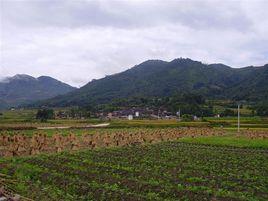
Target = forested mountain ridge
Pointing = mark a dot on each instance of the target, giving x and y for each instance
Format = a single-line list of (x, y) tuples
[(156, 78)]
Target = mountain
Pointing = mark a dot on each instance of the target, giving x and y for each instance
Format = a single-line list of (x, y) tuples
[(22, 89), (156, 78), (254, 86)]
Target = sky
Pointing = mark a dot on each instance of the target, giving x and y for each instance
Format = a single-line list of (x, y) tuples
[(76, 41)]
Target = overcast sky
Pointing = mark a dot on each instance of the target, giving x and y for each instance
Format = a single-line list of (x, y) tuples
[(79, 40)]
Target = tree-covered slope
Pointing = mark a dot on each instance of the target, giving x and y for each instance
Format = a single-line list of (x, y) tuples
[(253, 86), (155, 78)]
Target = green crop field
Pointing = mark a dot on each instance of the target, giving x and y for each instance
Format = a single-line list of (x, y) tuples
[(228, 140), (165, 171)]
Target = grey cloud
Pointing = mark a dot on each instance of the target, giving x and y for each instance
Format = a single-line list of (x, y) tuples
[(76, 41), (125, 14)]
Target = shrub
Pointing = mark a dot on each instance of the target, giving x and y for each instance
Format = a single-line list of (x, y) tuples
[(45, 114), (262, 110), (187, 117), (228, 113)]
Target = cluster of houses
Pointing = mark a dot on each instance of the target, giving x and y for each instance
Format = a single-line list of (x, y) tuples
[(139, 113), (128, 113)]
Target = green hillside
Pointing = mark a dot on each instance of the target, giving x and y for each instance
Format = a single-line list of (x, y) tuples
[(156, 78)]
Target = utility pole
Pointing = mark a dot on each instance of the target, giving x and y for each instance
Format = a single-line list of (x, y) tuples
[(238, 118)]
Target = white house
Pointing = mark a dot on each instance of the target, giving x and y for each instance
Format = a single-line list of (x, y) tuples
[(130, 117)]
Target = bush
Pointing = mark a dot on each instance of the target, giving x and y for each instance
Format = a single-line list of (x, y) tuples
[(228, 113), (262, 110), (45, 114), (187, 117)]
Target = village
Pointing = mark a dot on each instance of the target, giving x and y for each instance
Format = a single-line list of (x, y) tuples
[(128, 113)]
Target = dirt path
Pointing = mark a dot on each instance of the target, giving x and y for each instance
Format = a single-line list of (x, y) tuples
[(68, 127)]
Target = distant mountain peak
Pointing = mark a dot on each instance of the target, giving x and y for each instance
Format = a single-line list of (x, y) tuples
[(181, 59), (22, 89), (22, 77), (153, 61), (46, 78)]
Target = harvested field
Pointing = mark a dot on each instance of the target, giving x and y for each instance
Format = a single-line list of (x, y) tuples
[(20, 144), (253, 134)]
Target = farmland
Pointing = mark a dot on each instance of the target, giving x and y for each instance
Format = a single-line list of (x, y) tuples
[(105, 101), (19, 144), (134, 160), (168, 170)]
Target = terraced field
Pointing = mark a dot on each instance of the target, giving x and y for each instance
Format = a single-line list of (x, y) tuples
[(164, 171)]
